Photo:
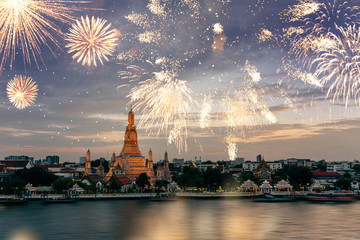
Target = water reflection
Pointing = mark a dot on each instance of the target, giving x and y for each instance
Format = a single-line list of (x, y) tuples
[(180, 220)]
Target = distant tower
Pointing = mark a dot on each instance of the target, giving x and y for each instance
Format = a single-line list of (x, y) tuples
[(101, 170), (166, 160), (113, 158), (150, 160), (259, 158), (88, 163), (166, 175)]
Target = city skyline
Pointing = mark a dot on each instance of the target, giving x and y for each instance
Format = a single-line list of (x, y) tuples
[(85, 107)]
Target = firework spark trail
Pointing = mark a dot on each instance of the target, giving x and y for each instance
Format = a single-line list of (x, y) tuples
[(205, 113), (22, 91), (245, 110), (164, 103), (29, 24), (91, 41), (340, 65)]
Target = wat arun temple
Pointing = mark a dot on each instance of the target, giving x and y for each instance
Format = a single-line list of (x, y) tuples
[(130, 163), (130, 159)]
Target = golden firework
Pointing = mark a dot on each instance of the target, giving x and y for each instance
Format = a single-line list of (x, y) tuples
[(29, 24), (164, 103), (91, 40), (22, 91)]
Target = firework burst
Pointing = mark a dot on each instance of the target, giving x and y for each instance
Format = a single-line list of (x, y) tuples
[(91, 41), (339, 64), (164, 103), (311, 21), (29, 24), (22, 91)]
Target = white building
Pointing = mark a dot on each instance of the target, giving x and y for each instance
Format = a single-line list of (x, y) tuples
[(338, 166)]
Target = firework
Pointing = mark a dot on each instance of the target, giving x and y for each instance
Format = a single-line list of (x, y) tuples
[(265, 35), (339, 64), (205, 113), (218, 28), (22, 91), (244, 109), (29, 24), (164, 103), (310, 23), (91, 41)]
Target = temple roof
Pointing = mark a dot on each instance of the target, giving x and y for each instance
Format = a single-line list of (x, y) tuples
[(249, 184), (263, 165), (266, 185), (283, 184), (131, 147)]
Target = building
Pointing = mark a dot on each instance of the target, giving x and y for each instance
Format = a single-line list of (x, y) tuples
[(297, 162), (52, 160), (163, 171), (14, 165), (19, 158), (250, 166), (178, 161), (130, 159), (325, 179), (239, 161), (339, 167), (82, 161)]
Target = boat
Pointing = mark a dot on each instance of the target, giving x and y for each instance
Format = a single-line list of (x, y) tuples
[(65, 199), (331, 196), (163, 197), (13, 201), (274, 198)]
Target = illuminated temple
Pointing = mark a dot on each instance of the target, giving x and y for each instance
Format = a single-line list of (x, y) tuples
[(130, 161)]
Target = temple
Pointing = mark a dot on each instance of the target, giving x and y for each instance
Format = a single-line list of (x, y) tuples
[(130, 161), (88, 163), (263, 171)]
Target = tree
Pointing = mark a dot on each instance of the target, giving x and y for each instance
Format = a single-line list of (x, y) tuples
[(228, 181), (142, 181), (160, 184), (62, 184), (344, 182), (246, 175), (114, 185), (96, 163), (212, 178), (37, 176), (190, 177), (12, 185), (297, 176)]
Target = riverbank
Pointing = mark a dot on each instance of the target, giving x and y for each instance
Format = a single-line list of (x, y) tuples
[(134, 196)]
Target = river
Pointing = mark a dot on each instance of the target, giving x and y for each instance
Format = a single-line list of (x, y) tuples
[(180, 220)]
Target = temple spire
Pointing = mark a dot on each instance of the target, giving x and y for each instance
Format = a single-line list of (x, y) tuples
[(131, 118), (88, 163)]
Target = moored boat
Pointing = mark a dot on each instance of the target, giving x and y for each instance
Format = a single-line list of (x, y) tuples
[(331, 196), (13, 201), (274, 198), (65, 199)]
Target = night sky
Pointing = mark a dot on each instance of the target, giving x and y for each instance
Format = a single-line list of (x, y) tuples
[(81, 107)]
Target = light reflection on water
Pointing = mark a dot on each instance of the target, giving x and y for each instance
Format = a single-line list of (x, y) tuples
[(180, 220)]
